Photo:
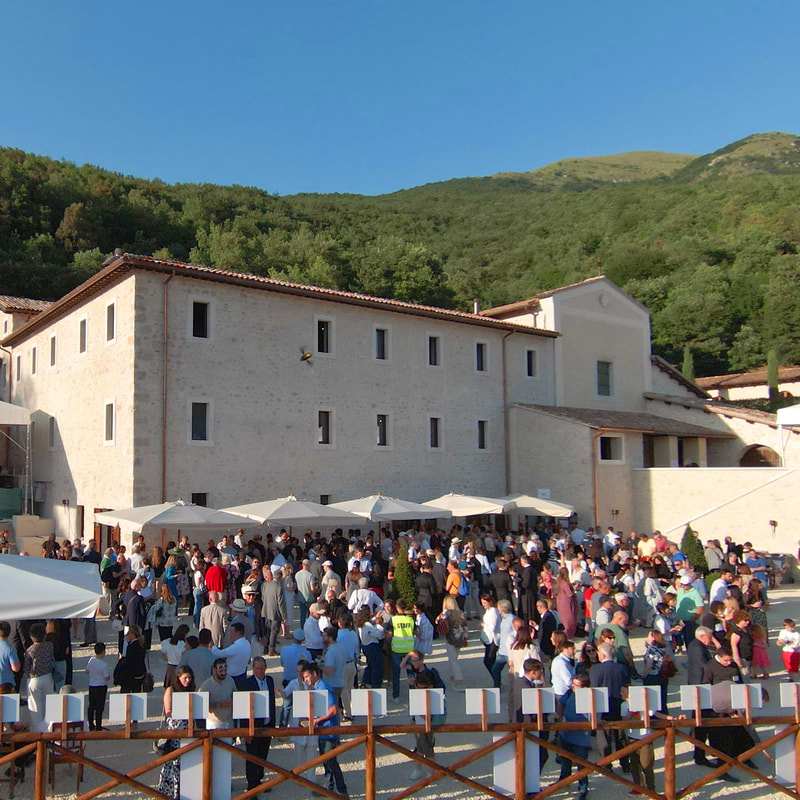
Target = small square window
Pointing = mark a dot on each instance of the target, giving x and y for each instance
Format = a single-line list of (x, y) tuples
[(480, 356), (19, 367), (52, 351), (435, 439), (611, 448), (200, 320), (530, 363), (324, 336), (605, 385), (382, 422), (199, 422), (482, 427), (381, 344), (111, 322), (324, 499), (324, 428), (200, 498), (110, 423), (433, 351), (83, 330), (33, 361), (51, 433)]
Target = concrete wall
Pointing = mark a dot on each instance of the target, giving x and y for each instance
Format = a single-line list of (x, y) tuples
[(81, 467), (265, 400), (554, 454), (754, 392), (721, 502), (664, 384)]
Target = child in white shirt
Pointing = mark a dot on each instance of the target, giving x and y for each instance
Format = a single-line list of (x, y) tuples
[(99, 679), (789, 641)]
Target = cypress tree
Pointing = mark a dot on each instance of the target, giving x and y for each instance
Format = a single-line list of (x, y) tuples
[(403, 577), (693, 550), (688, 363), (772, 374)]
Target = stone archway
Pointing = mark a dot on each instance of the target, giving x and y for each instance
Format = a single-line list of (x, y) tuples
[(759, 455)]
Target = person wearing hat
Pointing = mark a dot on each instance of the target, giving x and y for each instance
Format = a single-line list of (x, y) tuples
[(239, 613), (454, 553), (689, 607), (330, 579)]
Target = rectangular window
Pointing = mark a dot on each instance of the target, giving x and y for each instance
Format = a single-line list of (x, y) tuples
[(433, 351), (605, 386), (324, 427), (33, 361), (82, 335), (199, 422), (52, 351), (530, 363), (5, 326), (3, 373), (482, 425), (480, 356), (611, 448), (51, 433), (19, 367), (110, 423), (200, 320), (324, 499), (324, 336), (435, 433), (382, 439), (200, 498), (111, 322), (381, 344)]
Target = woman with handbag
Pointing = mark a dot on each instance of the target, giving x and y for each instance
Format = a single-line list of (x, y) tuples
[(169, 780), (134, 670)]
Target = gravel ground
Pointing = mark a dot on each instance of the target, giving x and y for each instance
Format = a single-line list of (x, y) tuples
[(393, 769)]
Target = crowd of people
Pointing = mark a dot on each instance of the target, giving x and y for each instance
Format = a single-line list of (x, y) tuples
[(333, 614)]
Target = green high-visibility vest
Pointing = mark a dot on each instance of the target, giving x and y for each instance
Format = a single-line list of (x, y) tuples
[(402, 633)]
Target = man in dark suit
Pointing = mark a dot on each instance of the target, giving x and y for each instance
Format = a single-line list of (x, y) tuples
[(258, 746), (499, 582), (528, 589), (700, 651)]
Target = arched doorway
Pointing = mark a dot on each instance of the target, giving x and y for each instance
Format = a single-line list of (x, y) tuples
[(759, 455)]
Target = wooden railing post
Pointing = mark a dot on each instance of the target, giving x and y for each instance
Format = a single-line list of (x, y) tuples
[(519, 765), (369, 766), (669, 762), (208, 765), (40, 771), (797, 761)]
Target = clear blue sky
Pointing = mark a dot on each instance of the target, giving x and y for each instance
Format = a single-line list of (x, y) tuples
[(371, 96)]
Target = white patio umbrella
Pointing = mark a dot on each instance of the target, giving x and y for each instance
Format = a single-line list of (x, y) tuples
[(291, 511), (528, 504), (467, 505), (379, 508), (172, 516), (46, 588)]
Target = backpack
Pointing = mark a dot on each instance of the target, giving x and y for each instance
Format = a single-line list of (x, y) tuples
[(463, 586)]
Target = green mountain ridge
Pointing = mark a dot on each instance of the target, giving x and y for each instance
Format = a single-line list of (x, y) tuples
[(710, 243)]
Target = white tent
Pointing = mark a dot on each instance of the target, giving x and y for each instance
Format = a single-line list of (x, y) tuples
[(291, 511), (537, 506), (46, 588), (466, 505), (173, 516), (378, 508), (789, 417), (11, 414)]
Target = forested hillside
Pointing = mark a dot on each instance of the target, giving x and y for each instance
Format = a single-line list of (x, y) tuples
[(709, 244)]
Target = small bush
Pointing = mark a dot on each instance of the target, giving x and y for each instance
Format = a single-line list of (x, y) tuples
[(693, 550)]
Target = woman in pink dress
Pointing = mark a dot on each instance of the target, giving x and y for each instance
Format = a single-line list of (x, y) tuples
[(566, 603)]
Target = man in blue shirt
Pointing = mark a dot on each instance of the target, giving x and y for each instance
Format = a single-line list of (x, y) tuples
[(757, 564), (292, 655), (9, 660), (313, 681)]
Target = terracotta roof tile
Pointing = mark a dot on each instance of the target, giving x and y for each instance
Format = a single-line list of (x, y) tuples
[(24, 304), (756, 377)]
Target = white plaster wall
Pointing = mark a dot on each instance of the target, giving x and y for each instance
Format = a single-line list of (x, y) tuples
[(721, 502), (266, 401), (80, 467), (664, 384), (760, 392)]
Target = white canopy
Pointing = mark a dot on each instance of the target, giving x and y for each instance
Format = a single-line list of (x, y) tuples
[(789, 416), (527, 504), (47, 588), (466, 505), (11, 414), (378, 508), (172, 516), (291, 511)]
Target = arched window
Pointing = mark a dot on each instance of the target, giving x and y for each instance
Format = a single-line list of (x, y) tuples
[(759, 455)]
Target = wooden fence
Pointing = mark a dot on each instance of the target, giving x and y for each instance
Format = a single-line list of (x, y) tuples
[(63, 744)]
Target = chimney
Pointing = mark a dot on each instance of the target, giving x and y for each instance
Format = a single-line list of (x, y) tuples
[(476, 306)]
